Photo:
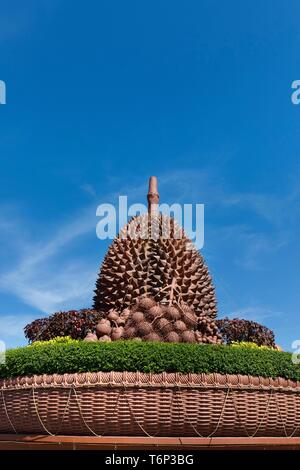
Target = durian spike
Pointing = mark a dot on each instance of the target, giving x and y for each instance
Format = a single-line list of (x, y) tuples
[(152, 196)]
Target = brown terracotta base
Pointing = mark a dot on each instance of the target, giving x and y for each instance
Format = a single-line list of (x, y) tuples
[(150, 405)]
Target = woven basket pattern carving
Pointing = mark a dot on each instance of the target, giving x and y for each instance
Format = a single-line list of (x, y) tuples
[(139, 404)]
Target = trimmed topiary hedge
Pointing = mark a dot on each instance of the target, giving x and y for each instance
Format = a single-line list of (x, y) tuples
[(80, 356)]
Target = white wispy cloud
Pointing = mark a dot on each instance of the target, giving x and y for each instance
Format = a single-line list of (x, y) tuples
[(12, 328), (88, 189), (273, 208), (253, 239), (258, 245), (257, 314), (42, 275)]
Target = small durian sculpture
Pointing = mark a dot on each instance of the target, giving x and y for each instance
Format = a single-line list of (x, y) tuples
[(154, 285)]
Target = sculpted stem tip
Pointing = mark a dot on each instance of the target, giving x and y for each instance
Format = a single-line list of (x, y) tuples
[(152, 196)]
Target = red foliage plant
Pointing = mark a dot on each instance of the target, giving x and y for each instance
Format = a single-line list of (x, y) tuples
[(245, 330), (73, 323)]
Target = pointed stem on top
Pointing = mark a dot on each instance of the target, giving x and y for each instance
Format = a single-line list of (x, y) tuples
[(152, 196)]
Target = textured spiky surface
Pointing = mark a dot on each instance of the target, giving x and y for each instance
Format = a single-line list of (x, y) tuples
[(153, 256), (151, 321)]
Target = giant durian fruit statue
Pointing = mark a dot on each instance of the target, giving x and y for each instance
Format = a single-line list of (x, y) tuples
[(154, 284)]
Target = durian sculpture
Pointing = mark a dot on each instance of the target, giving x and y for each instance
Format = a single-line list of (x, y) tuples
[(154, 285)]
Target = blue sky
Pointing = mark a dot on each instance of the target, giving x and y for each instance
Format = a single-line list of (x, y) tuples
[(100, 95)]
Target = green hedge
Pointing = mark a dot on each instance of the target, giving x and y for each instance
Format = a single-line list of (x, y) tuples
[(147, 357)]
